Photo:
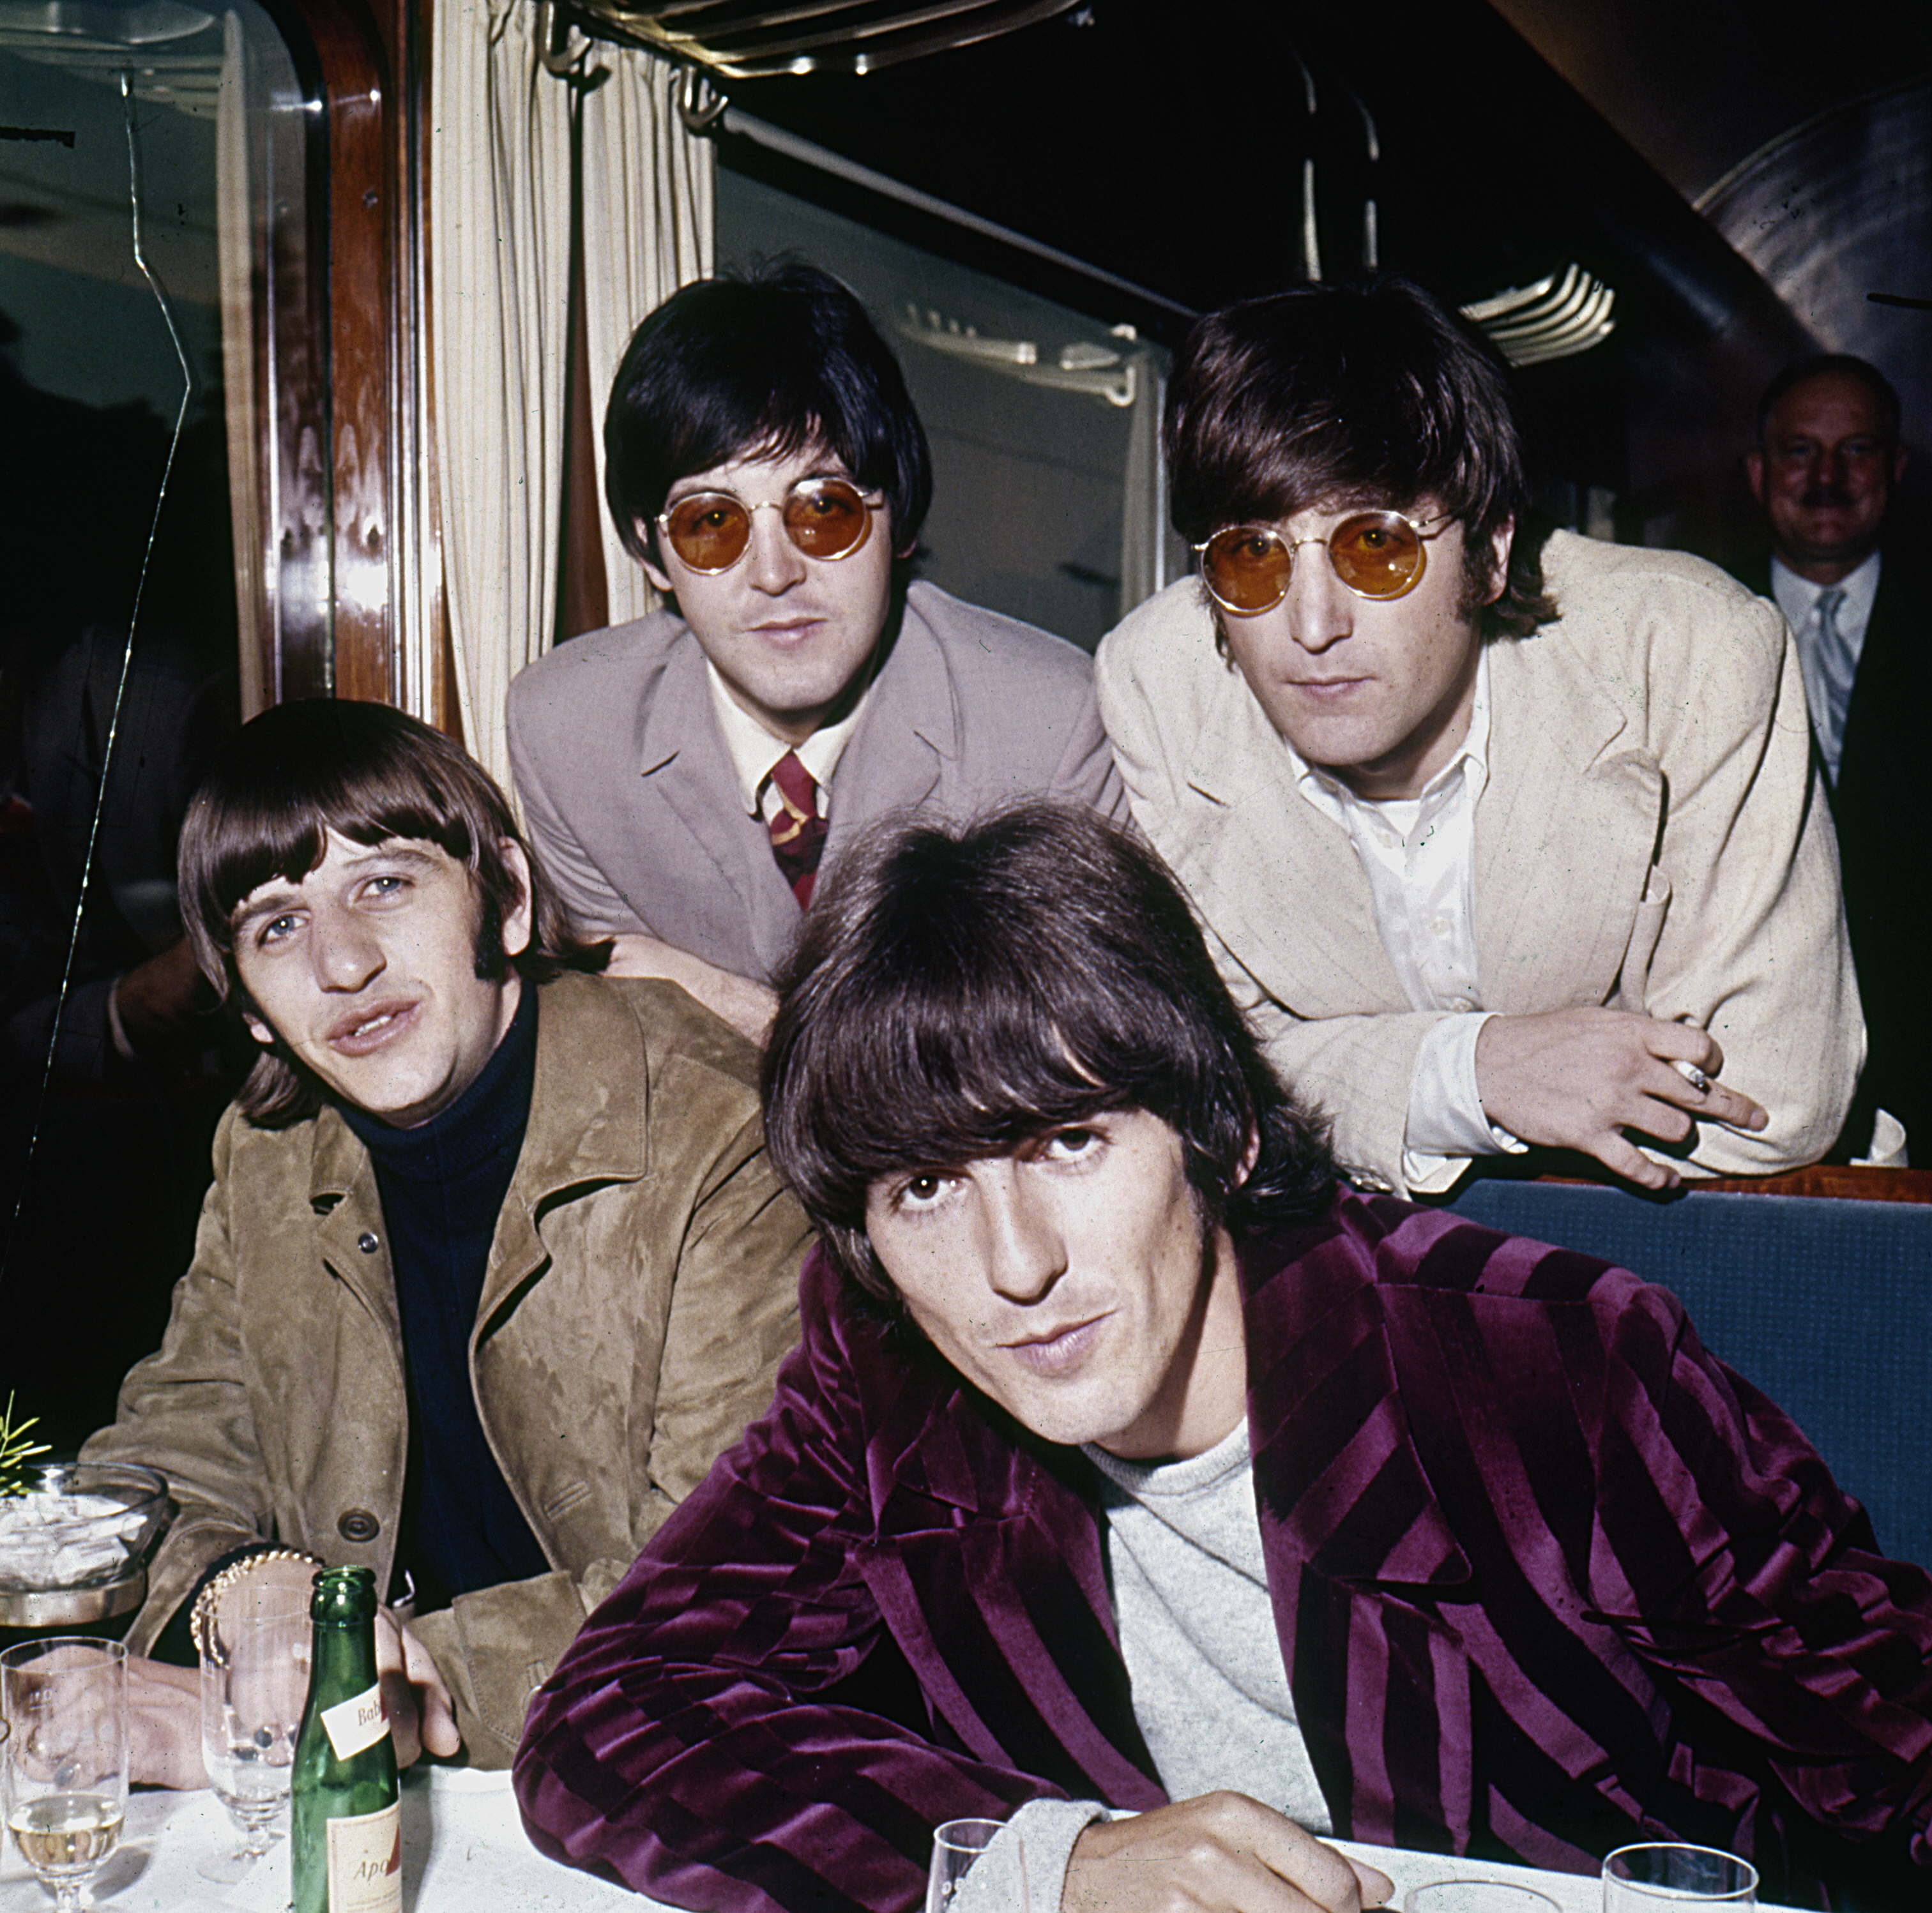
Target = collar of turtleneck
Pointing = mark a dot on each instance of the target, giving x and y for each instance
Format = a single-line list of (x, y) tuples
[(487, 1118)]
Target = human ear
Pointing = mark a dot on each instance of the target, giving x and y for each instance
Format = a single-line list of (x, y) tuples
[(519, 920), (1754, 473), (1501, 539), (660, 579), (259, 1030)]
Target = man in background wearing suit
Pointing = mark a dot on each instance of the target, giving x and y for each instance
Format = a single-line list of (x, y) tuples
[(683, 776), (1827, 459)]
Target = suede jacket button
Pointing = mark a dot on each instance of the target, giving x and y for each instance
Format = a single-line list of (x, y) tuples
[(368, 1242), (358, 1525)]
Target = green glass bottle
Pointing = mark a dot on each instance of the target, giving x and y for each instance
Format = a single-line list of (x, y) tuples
[(346, 1842)]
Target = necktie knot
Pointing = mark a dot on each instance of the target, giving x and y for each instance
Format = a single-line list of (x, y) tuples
[(797, 827)]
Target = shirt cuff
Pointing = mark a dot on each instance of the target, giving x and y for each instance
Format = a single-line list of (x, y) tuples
[(1045, 1831), (117, 1030), (1446, 1123)]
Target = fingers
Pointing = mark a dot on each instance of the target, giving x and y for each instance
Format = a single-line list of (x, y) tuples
[(1372, 1885), (164, 1725), (1693, 1059), (1222, 1853), (421, 1715), (399, 1703), (438, 1712)]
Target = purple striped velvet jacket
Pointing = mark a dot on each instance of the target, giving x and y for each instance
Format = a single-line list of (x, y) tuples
[(1547, 1577)]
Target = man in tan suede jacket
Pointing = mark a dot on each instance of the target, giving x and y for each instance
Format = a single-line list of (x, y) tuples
[(492, 1265)]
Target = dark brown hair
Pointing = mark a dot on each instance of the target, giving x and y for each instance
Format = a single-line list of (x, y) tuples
[(759, 367), (1374, 393), (957, 992), (298, 771)]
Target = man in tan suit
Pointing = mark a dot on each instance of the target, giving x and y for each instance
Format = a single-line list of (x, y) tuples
[(493, 1266), (1501, 846)]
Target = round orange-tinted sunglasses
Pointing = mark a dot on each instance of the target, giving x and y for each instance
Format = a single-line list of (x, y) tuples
[(710, 530), (1376, 554)]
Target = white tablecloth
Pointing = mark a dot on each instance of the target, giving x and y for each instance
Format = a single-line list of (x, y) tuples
[(464, 1852)]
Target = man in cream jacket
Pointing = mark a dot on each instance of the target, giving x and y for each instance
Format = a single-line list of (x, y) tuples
[(1501, 846)]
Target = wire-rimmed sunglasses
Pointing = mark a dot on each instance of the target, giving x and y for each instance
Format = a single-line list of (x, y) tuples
[(1376, 554), (824, 517)]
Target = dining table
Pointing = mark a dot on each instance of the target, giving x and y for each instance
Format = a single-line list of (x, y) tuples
[(464, 1850)]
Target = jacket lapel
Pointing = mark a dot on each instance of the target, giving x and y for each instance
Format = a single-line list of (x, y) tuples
[(1280, 882), (1564, 835), (686, 768), (1359, 1552), (349, 1211), (908, 735), (582, 1131), (987, 1565)]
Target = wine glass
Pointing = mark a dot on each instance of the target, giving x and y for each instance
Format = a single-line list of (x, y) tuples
[(65, 1703), (1657, 1875), (254, 1680), (1477, 1896), (957, 1845)]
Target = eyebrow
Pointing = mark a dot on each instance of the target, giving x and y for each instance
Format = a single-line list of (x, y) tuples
[(287, 894)]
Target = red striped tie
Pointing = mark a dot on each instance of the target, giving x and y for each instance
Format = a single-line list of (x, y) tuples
[(798, 831)]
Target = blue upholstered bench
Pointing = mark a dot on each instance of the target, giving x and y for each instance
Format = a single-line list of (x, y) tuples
[(1824, 1304)]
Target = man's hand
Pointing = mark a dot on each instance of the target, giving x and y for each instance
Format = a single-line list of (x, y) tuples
[(1578, 1078), (747, 1006), (1221, 1853), (420, 1714), (163, 1724), (158, 999)]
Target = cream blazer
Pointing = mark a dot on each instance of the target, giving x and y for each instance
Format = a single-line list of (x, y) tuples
[(1651, 838)]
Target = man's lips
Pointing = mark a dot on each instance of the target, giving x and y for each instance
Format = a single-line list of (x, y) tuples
[(369, 1026), (1326, 687), (1054, 1352)]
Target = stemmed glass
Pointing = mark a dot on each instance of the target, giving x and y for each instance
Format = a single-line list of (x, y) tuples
[(957, 1845), (65, 1704), (254, 1679), (1658, 1875)]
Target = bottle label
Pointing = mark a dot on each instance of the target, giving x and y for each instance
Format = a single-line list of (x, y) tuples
[(365, 1862), (355, 1723)]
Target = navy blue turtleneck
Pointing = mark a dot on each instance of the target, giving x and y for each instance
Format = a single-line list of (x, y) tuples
[(441, 1186)]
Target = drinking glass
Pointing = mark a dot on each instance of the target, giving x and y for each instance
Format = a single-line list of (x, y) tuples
[(956, 1845), (64, 1700), (254, 1679), (1653, 1878), (1477, 1896)]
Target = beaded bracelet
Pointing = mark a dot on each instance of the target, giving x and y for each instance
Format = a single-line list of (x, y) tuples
[(201, 1616)]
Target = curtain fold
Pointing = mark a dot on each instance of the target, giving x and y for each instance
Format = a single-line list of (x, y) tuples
[(499, 294), (649, 228), (499, 288)]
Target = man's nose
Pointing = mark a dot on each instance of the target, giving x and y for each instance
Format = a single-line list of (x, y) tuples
[(776, 563), (1321, 609), (1023, 1246), (346, 956)]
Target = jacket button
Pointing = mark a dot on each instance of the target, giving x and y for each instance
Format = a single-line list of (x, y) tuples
[(368, 1242), (358, 1525)]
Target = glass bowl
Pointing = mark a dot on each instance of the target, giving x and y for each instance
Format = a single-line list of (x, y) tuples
[(74, 1541)]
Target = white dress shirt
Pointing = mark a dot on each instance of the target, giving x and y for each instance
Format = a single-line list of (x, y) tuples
[(755, 752), (1828, 670), (1419, 854)]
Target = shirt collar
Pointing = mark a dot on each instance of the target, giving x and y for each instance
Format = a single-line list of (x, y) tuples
[(1797, 596), (754, 751), (1470, 763)]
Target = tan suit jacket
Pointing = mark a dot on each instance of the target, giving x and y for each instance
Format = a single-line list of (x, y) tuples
[(1650, 838), (641, 1292)]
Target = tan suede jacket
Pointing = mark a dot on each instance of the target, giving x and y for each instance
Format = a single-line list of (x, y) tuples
[(640, 1294)]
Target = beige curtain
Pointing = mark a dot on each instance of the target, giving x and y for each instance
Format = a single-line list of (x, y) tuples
[(499, 263), (245, 416), (499, 257), (649, 228)]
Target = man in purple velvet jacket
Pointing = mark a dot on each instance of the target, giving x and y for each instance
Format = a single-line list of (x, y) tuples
[(1128, 1462)]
